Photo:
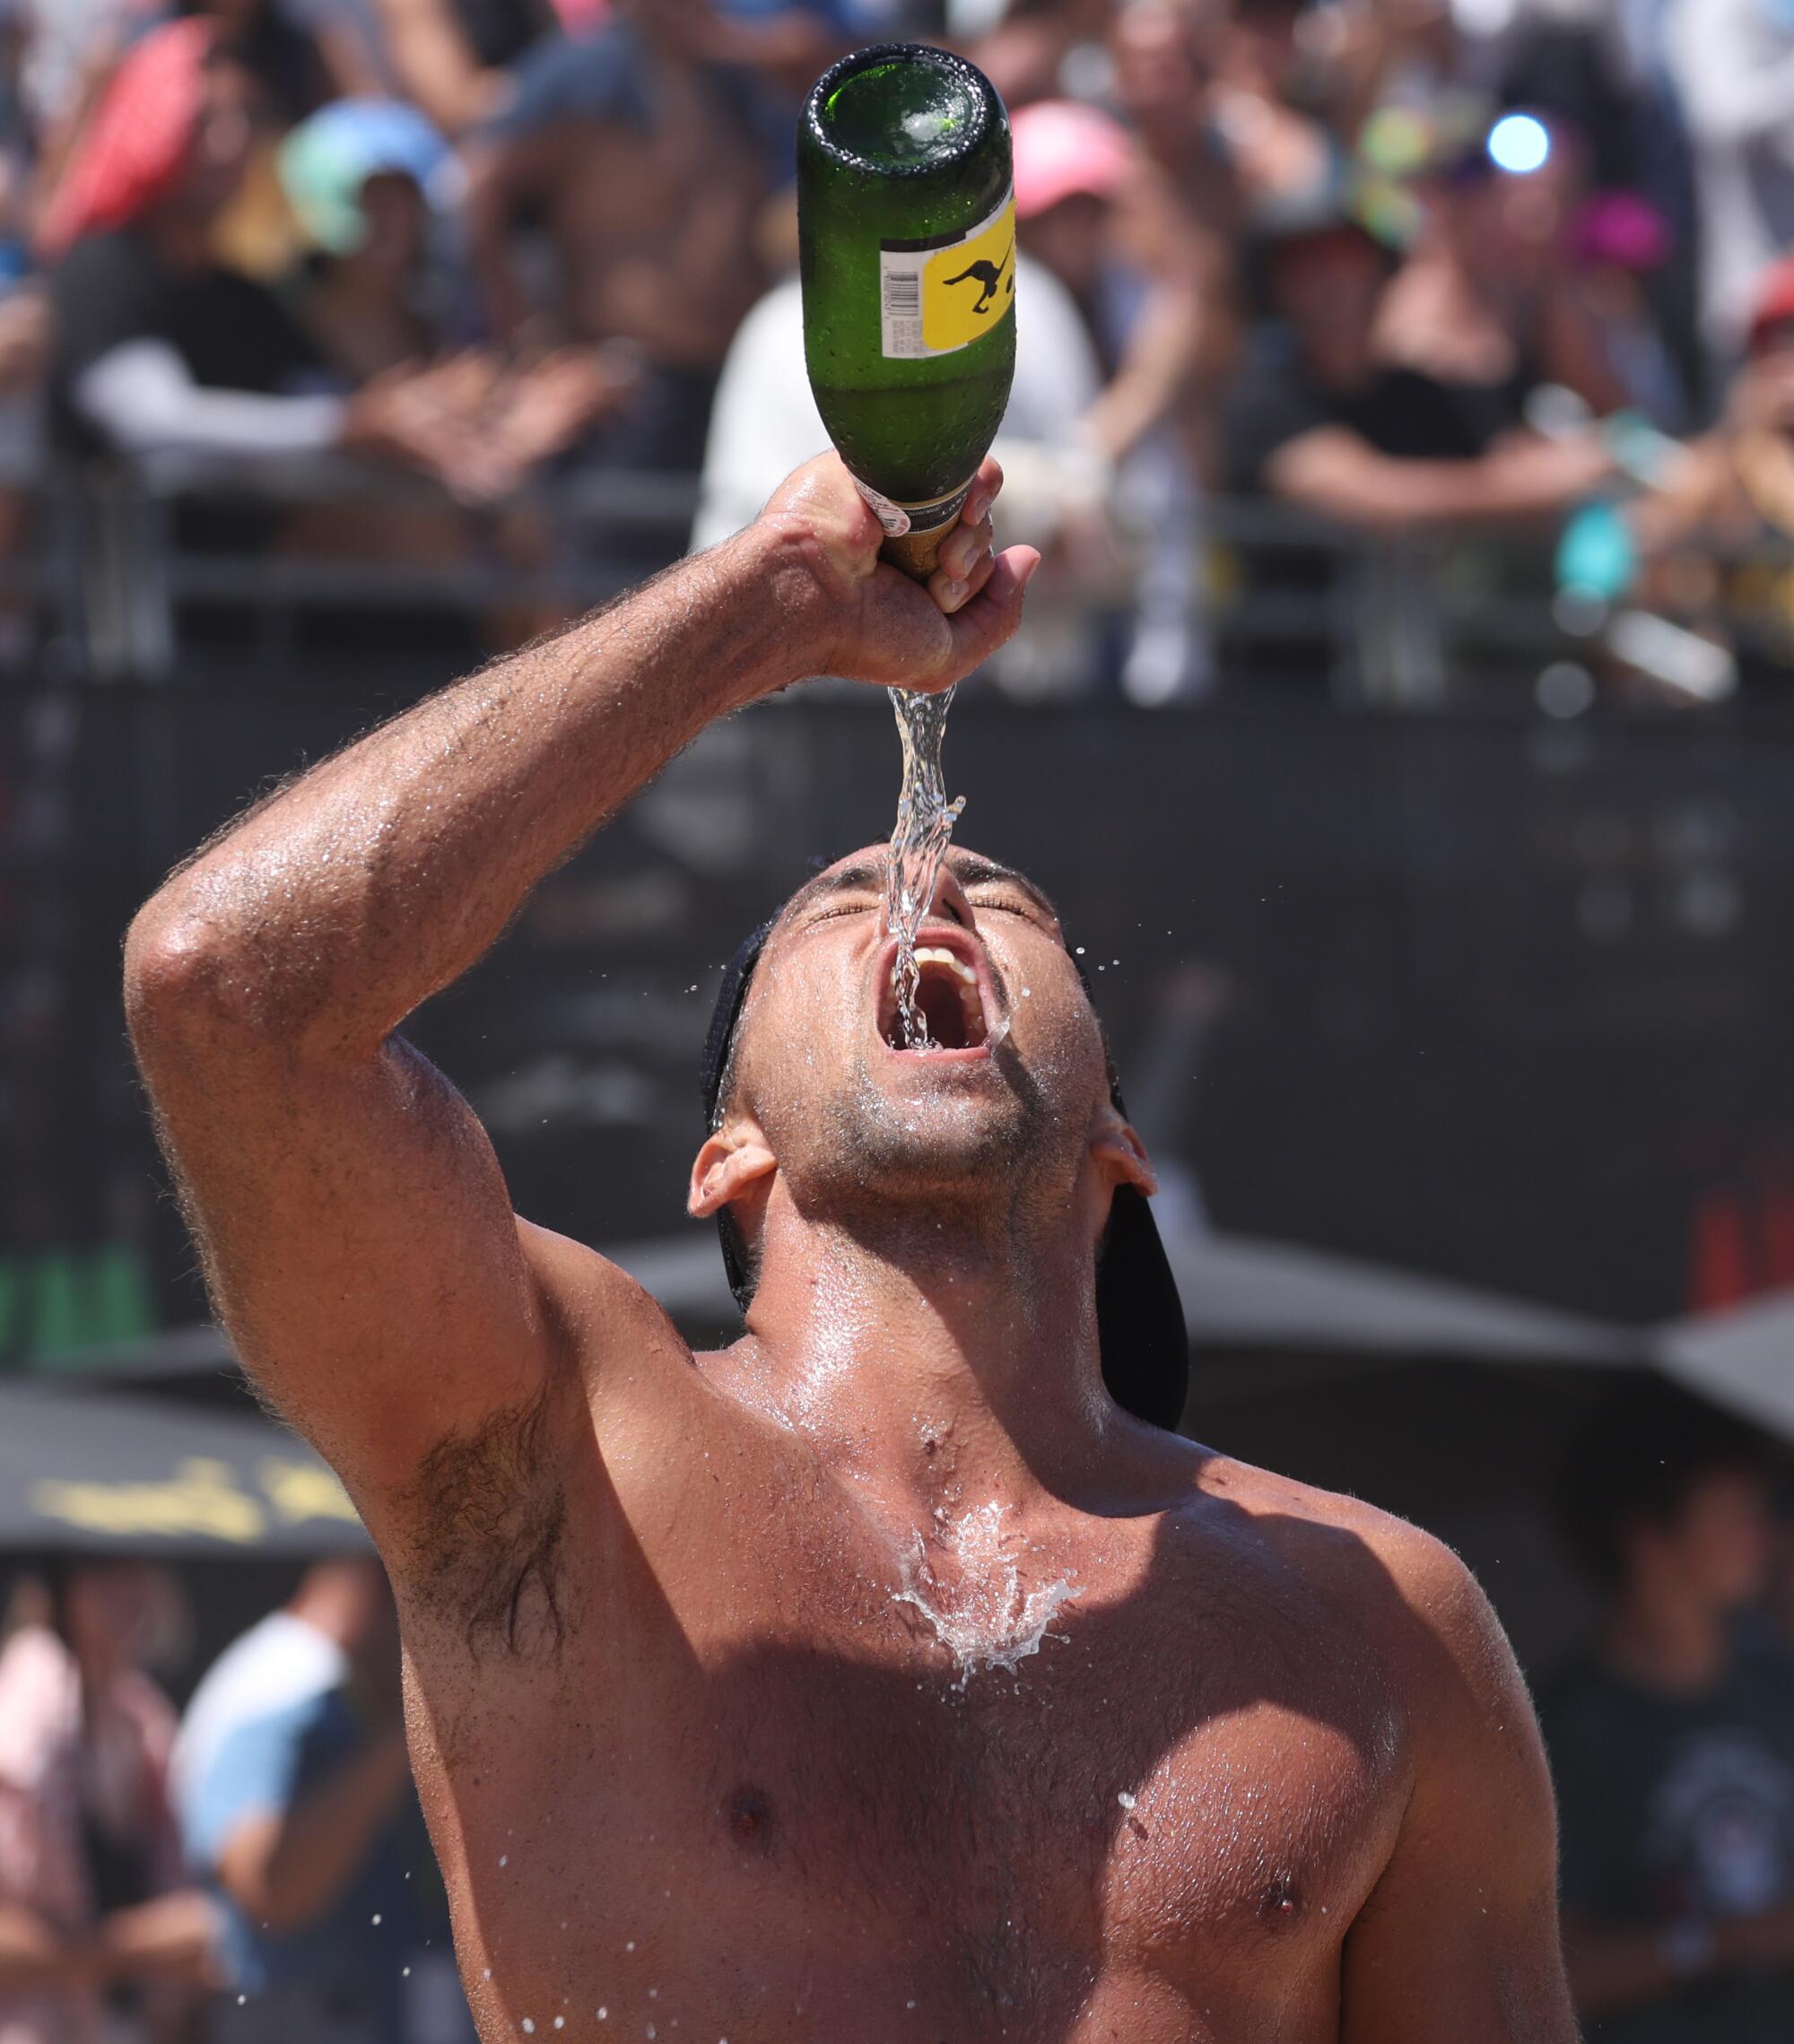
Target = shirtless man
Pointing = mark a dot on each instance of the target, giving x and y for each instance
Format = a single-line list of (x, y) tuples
[(704, 1653), (649, 203)]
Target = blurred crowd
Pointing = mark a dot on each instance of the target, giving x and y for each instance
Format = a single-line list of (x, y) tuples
[(1398, 269), (255, 1871)]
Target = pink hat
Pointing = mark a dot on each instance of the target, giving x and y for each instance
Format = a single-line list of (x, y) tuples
[(1062, 148)]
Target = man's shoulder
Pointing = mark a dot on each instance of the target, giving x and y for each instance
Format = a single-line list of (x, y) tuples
[(1418, 1559), (1365, 1565)]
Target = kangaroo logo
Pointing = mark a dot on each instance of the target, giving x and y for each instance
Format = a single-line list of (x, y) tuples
[(987, 276)]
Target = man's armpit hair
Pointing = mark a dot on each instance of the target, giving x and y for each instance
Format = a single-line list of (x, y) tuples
[(488, 1518)]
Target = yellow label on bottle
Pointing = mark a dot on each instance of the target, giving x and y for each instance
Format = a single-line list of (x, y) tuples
[(943, 296)]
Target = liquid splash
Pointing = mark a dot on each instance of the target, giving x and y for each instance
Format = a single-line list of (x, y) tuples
[(984, 1618), (925, 826)]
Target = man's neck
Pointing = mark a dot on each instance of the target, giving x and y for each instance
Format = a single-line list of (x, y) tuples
[(1668, 1641), (938, 1371)]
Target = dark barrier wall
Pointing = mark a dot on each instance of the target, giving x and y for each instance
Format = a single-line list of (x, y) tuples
[(1506, 1002)]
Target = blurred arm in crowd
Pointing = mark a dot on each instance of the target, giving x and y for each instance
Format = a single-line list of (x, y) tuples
[(452, 58)]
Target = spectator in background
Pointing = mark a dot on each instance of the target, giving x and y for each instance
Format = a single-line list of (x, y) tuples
[(647, 176), (1732, 64), (1707, 539), (363, 179), (1367, 55), (1092, 210), (1158, 54), (1320, 422), (1098, 214), (367, 180), (296, 1805), (159, 350), (1282, 156), (1025, 56), (94, 1921), (452, 58), (1617, 241), (1673, 1747), (1478, 305), (296, 70)]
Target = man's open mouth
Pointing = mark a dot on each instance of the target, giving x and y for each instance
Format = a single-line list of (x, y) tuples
[(950, 1001)]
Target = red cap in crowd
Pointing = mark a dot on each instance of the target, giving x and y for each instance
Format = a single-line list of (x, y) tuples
[(135, 145)]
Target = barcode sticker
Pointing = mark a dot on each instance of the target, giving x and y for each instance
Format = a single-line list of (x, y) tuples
[(942, 296), (902, 307)]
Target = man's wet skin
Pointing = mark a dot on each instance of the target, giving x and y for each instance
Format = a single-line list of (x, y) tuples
[(876, 1678)]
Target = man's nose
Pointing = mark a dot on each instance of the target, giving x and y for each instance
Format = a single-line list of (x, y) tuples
[(949, 898)]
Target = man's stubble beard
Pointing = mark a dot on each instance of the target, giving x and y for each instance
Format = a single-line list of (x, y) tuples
[(974, 1159)]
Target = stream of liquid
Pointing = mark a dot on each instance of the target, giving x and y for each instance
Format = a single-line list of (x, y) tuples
[(925, 825)]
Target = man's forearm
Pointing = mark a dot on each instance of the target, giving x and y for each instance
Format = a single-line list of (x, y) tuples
[(292, 1869), (325, 915), (33, 1955)]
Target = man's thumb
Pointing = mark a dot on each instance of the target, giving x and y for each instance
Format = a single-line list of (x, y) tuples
[(990, 620)]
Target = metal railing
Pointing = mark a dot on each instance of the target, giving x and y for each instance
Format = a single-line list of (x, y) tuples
[(115, 585)]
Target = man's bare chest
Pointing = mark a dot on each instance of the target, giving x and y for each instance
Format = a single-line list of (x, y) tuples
[(1032, 1777)]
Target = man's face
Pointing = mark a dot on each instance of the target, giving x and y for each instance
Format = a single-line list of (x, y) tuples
[(1001, 1115), (1327, 285), (1720, 1543), (1072, 239), (223, 137)]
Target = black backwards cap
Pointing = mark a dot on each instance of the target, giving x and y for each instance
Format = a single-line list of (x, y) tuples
[(1139, 1316)]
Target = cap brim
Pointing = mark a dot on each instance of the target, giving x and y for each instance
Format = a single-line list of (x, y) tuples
[(1139, 1316)]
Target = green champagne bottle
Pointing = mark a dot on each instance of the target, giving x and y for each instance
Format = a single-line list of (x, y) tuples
[(906, 217)]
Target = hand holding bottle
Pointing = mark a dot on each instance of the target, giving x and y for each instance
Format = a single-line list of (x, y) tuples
[(873, 623)]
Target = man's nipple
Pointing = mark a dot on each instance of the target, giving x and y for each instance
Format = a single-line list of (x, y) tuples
[(748, 1814)]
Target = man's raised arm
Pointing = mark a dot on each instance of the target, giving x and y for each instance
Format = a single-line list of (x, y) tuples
[(354, 1226)]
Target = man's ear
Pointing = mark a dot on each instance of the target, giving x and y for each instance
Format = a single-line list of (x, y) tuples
[(735, 1158), (1119, 1155)]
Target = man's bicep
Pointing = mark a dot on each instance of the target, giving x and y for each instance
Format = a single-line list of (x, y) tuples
[(360, 1246), (1459, 1938)]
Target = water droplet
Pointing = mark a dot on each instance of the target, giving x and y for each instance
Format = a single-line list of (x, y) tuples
[(528, 2026), (603, 2015), (630, 1946), (1080, 951), (504, 1860), (404, 1972), (376, 1919), (242, 2000), (560, 2022), (1126, 1800)]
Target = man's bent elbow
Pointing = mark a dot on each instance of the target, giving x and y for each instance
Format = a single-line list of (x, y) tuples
[(187, 974)]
